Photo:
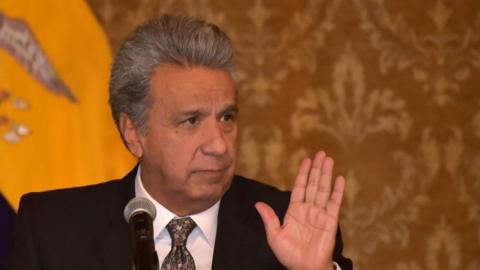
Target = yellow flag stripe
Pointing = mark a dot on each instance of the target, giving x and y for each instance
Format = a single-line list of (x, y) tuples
[(67, 144)]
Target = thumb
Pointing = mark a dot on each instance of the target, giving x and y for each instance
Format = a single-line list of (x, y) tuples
[(269, 218)]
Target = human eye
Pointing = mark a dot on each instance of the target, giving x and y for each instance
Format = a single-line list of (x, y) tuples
[(228, 117), (190, 121)]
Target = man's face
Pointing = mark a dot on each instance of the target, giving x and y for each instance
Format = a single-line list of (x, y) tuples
[(189, 152)]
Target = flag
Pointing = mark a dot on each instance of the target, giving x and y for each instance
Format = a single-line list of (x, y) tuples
[(56, 128)]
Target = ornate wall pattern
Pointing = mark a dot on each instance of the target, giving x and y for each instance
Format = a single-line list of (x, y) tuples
[(389, 88)]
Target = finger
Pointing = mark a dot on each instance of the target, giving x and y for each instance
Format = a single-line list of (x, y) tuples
[(325, 183), (335, 202), (314, 177), (298, 191), (269, 218)]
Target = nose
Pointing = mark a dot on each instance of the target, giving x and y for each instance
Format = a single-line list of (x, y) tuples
[(215, 142)]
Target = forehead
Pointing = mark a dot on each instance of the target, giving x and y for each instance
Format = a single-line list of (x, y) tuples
[(175, 84)]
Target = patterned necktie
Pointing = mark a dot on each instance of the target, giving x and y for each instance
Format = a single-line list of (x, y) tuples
[(179, 258)]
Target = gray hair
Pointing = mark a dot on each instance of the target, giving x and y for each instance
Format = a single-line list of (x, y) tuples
[(167, 39)]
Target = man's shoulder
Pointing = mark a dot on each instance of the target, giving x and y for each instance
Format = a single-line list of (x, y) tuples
[(78, 200), (88, 194), (258, 186), (255, 191), (65, 194)]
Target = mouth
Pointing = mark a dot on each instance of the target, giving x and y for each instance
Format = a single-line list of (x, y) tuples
[(211, 172)]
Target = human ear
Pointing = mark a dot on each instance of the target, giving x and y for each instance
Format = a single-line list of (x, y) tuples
[(131, 135)]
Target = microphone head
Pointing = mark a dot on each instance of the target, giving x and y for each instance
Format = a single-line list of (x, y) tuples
[(139, 204)]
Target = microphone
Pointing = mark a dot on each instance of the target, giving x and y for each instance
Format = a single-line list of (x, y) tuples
[(139, 214)]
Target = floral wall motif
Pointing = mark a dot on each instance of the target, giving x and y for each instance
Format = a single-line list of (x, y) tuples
[(389, 88)]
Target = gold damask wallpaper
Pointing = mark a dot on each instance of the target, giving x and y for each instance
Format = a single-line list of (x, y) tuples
[(389, 88)]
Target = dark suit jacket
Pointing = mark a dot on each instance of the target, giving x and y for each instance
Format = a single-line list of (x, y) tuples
[(84, 228)]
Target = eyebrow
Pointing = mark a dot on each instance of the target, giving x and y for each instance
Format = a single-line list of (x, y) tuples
[(189, 113), (181, 115), (232, 108)]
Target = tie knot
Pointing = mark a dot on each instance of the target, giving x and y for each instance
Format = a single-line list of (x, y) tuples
[(179, 229)]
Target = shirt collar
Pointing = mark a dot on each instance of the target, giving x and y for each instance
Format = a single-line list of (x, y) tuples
[(206, 220)]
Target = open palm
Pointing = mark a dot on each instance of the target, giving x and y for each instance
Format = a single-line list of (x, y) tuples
[(306, 238)]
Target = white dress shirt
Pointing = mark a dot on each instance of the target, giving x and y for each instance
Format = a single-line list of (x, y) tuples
[(201, 240)]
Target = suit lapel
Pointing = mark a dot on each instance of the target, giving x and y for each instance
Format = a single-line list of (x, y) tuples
[(235, 240), (115, 243), (238, 230)]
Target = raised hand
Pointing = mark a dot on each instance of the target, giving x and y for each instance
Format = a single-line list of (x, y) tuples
[(306, 238)]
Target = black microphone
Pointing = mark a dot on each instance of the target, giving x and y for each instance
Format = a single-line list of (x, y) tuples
[(140, 213)]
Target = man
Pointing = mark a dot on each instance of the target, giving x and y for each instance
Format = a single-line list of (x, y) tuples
[(173, 99)]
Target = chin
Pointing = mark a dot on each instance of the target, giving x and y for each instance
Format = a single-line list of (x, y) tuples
[(211, 191)]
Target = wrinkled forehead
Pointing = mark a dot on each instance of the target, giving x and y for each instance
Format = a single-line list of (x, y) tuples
[(176, 86)]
